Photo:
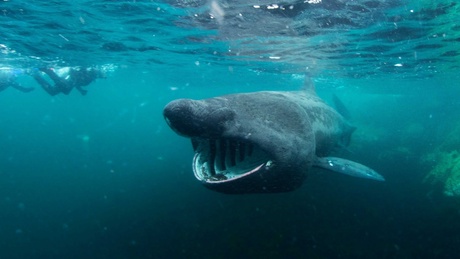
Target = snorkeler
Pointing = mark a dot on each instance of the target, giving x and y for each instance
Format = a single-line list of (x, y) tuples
[(67, 78), (8, 78)]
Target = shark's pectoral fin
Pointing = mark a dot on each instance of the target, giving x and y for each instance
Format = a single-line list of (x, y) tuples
[(347, 167)]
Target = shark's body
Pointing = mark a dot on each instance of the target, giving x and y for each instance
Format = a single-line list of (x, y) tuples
[(262, 141)]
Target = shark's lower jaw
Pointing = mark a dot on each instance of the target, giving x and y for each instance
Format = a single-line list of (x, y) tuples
[(219, 161)]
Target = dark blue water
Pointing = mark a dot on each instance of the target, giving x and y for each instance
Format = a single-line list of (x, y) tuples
[(103, 176)]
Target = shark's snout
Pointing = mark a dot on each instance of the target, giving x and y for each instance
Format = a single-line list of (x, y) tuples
[(192, 118), (179, 115)]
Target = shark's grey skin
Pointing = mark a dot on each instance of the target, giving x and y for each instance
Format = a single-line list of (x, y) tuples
[(262, 141)]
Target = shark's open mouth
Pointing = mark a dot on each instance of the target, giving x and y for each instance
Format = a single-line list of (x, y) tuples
[(222, 160)]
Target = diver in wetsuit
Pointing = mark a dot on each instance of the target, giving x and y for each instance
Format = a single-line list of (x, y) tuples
[(8, 78), (67, 79)]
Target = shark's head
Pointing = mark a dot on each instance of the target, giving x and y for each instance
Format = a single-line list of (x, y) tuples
[(240, 147)]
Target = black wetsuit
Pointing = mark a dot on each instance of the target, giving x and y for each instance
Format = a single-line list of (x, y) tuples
[(7, 79), (76, 78)]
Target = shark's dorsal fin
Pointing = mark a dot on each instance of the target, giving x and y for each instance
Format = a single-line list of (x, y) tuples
[(309, 85), (348, 167)]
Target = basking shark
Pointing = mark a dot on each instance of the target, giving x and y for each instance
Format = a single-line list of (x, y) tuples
[(263, 142)]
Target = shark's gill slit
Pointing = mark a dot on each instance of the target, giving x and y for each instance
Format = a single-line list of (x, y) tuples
[(250, 148), (212, 156), (226, 159), (242, 150), (232, 153), (223, 152)]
